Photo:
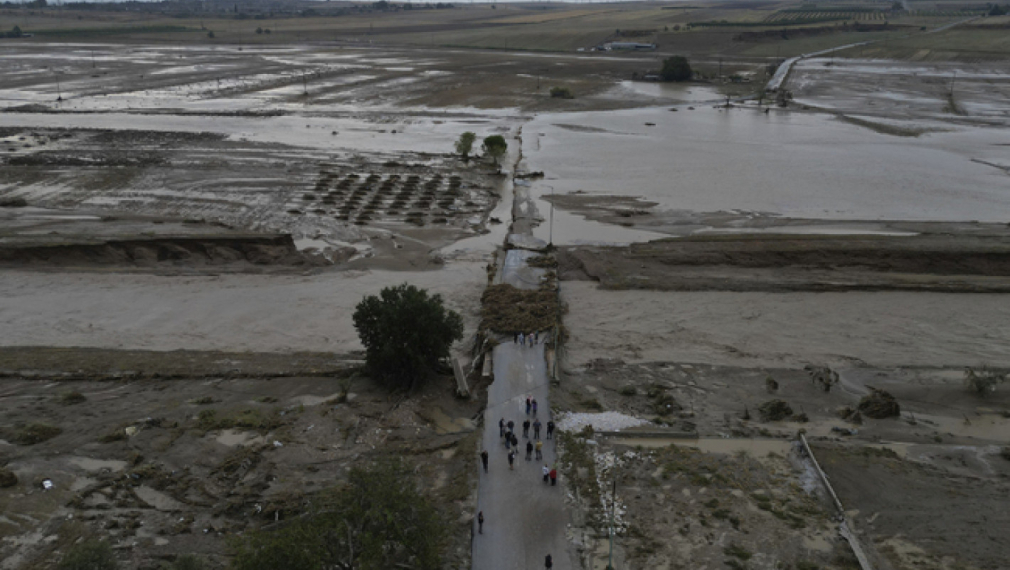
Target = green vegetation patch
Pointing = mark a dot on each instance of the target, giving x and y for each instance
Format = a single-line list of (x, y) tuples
[(33, 433), (249, 419), (117, 31), (378, 520), (89, 555)]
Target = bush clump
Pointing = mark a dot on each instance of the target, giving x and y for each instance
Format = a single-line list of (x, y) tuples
[(879, 404), (7, 478), (89, 555), (378, 520), (13, 202), (561, 93), (774, 410), (983, 381), (71, 398), (34, 433)]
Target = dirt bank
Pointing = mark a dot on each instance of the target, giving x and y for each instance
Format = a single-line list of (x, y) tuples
[(224, 253), (767, 262)]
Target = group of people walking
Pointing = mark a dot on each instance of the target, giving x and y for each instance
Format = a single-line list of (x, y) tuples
[(526, 339), (534, 444)]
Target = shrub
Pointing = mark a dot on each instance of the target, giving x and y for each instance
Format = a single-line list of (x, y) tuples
[(187, 562), (35, 433), (89, 555), (13, 203), (562, 93), (406, 334), (71, 398), (379, 520), (983, 381)]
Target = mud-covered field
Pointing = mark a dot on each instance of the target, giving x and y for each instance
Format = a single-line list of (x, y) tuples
[(164, 462)]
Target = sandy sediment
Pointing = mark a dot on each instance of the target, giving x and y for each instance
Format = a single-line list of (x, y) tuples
[(794, 329), (227, 312)]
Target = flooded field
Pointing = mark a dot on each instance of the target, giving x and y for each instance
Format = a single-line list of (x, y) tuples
[(748, 163)]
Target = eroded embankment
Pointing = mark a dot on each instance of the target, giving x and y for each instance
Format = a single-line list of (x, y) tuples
[(790, 263), (233, 251)]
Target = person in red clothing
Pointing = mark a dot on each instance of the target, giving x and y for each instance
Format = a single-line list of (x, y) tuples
[(554, 476)]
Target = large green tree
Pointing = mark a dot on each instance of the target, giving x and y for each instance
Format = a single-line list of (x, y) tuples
[(377, 521), (676, 68), (406, 333), (465, 143), (495, 147)]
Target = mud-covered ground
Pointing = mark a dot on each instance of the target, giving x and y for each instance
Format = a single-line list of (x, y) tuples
[(727, 486), (185, 450)]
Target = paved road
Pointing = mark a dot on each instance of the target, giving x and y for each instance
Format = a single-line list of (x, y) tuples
[(524, 519)]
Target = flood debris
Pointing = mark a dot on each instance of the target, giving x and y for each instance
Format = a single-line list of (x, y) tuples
[(506, 308)]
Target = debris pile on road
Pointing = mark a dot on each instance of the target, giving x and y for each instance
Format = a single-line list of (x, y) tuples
[(603, 421)]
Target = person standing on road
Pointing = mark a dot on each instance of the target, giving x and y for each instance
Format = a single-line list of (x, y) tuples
[(554, 475), (536, 428), (540, 452), (548, 562), (534, 406), (511, 425), (512, 458), (536, 337), (483, 459), (480, 522), (550, 429), (515, 441), (527, 405), (522, 340), (501, 427), (529, 450), (515, 338), (547, 473), (526, 429), (508, 441), (530, 338)]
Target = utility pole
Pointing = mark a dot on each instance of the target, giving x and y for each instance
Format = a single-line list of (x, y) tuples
[(550, 239), (613, 507)]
